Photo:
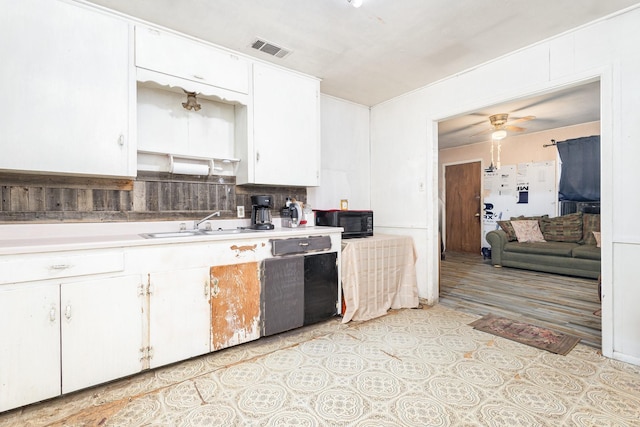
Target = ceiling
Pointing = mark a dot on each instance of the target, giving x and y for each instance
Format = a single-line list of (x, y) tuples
[(386, 47), (567, 107)]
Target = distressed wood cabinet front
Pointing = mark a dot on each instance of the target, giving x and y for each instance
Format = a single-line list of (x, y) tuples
[(235, 304)]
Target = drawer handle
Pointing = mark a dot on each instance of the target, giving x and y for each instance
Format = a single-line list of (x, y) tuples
[(60, 266), (198, 77), (52, 314), (303, 244), (67, 312)]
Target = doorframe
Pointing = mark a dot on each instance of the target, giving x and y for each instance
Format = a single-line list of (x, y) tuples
[(609, 76), (444, 193)]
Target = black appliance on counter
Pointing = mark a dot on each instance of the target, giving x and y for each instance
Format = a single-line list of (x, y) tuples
[(354, 223), (261, 212)]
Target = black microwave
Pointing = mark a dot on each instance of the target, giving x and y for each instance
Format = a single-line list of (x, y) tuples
[(354, 223)]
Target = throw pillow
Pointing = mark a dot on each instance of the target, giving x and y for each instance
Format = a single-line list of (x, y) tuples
[(565, 228), (590, 223), (506, 226), (596, 235), (527, 231)]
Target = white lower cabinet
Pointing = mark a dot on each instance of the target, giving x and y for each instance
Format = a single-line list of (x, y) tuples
[(179, 315), (67, 336), (30, 345), (102, 329)]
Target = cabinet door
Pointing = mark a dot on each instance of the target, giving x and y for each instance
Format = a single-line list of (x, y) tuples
[(30, 349), (191, 60), (286, 125), (282, 294), (179, 315), (235, 304), (320, 287), (65, 85), (102, 330)]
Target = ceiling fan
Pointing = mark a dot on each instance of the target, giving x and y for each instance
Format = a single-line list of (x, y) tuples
[(500, 124)]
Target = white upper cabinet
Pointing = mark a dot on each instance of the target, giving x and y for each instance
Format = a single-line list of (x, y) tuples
[(66, 90), (178, 56), (286, 130)]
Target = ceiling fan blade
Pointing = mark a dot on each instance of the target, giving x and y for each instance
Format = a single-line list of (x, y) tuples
[(520, 119), (514, 128), (480, 133)]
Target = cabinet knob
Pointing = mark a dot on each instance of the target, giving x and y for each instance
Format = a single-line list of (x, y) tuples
[(67, 312), (121, 140), (52, 313)]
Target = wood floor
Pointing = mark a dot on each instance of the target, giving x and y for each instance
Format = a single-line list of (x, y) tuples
[(562, 303)]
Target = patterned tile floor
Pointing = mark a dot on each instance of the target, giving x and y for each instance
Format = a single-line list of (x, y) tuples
[(409, 368)]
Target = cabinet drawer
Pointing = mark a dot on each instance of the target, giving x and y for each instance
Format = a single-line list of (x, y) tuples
[(298, 245), (52, 266), (181, 57)]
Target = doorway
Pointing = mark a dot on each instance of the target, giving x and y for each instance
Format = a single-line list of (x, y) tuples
[(462, 201)]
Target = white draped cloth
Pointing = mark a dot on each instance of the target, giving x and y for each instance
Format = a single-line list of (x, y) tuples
[(378, 273)]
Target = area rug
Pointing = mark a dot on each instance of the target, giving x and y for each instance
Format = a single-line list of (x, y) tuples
[(525, 333)]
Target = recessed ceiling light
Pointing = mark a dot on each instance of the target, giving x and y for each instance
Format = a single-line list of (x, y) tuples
[(355, 3)]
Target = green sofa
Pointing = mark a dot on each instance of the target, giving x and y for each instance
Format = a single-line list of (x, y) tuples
[(563, 252)]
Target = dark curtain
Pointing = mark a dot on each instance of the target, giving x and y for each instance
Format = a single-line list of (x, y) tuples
[(580, 175)]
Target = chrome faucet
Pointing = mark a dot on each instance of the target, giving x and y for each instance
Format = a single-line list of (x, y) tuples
[(197, 223)]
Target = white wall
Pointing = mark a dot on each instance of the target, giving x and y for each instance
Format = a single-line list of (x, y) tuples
[(404, 139), (345, 172)]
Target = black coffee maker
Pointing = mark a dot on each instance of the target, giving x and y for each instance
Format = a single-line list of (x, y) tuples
[(261, 212)]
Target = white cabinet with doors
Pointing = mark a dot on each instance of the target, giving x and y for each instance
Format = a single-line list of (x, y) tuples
[(286, 130), (67, 336), (30, 350), (189, 59), (67, 90), (179, 315), (102, 326), (70, 332)]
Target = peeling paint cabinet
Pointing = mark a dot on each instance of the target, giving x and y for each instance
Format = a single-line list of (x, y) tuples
[(235, 304), (74, 319)]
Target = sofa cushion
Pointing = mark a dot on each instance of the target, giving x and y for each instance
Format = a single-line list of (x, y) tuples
[(542, 248), (566, 228), (586, 252), (527, 231), (508, 228), (590, 223)]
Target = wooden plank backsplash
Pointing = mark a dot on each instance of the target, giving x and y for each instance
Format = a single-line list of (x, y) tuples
[(151, 196)]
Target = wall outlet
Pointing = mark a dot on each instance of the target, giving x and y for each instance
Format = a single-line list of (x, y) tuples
[(240, 211)]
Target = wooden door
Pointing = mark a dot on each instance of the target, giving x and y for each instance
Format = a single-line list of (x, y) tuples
[(235, 304), (462, 205)]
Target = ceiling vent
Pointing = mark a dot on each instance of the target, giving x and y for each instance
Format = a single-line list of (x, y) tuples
[(270, 48)]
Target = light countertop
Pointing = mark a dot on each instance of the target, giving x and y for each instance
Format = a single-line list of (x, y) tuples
[(33, 238)]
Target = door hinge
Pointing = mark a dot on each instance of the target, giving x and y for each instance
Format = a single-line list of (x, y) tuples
[(146, 353)]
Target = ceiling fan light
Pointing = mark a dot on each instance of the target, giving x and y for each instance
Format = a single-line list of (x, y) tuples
[(499, 134)]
